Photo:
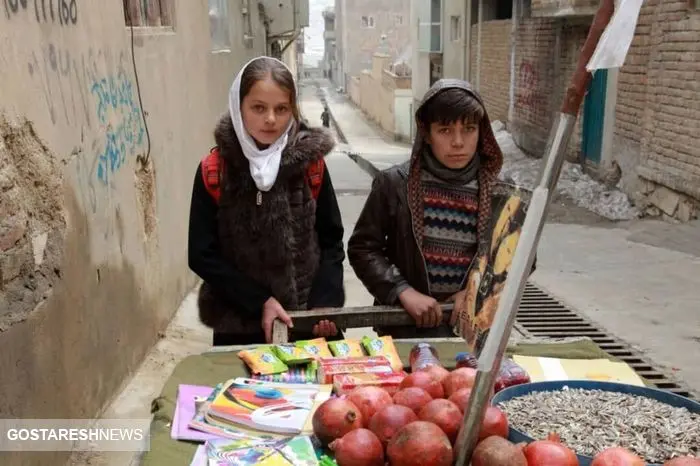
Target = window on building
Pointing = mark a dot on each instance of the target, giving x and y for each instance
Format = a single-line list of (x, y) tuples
[(219, 25), (368, 21), (398, 20), (430, 26), (455, 28), (504, 9), (148, 13)]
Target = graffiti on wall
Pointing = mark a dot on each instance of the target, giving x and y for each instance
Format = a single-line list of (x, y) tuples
[(527, 85), (118, 113), (91, 90), (61, 12)]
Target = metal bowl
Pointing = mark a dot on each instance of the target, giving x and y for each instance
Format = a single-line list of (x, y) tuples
[(517, 436)]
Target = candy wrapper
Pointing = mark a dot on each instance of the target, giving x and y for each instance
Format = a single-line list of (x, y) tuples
[(336, 366), (317, 347), (345, 383), (510, 374), (291, 355), (262, 360), (383, 346), (298, 374), (346, 348)]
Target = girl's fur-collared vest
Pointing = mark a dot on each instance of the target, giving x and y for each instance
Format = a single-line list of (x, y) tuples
[(270, 235)]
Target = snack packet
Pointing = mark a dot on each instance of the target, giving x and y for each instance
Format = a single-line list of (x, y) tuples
[(383, 346), (262, 360), (318, 347), (346, 348), (344, 384), (290, 354), (305, 373)]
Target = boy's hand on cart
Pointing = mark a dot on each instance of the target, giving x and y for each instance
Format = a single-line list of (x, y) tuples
[(425, 310), (325, 328), (458, 300), (273, 310)]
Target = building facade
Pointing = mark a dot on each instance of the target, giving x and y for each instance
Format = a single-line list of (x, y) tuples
[(636, 124), (328, 64), (97, 159), (362, 27)]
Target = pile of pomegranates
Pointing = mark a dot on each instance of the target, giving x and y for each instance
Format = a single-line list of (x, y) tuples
[(420, 425)]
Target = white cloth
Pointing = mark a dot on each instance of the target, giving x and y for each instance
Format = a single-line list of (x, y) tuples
[(265, 163)]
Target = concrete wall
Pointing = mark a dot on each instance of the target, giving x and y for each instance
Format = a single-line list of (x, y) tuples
[(376, 92), (92, 245), (403, 114), (658, 110)]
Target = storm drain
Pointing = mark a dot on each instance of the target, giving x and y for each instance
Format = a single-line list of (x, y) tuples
[(541, 315)]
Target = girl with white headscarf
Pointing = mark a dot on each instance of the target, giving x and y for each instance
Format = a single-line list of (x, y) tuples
[(266, 235)]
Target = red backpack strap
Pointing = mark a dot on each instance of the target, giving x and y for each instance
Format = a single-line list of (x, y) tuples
[(212, 166), (314, 176)]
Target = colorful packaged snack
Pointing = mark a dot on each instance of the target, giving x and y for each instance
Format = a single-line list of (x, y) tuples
[(345, 383), (383, 346), (372, 365), (291, 355), (262, 360), (346, 348), (318, 347)]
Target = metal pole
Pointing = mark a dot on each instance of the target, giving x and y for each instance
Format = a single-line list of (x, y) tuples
[(497, 340)]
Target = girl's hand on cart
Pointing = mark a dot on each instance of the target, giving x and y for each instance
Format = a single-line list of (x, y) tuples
[(273, 310), (425, 310), (325, 328)]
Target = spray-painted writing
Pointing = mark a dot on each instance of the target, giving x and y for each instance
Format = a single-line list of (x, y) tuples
[(64, 12), (119, 114), (527, 86)]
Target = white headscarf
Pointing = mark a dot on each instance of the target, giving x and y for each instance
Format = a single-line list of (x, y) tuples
[(264, 164)]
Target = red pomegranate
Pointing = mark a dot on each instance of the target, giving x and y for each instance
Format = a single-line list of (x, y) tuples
[(335, 418)]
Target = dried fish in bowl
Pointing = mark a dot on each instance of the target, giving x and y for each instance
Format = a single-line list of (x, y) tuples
[(589, 421)]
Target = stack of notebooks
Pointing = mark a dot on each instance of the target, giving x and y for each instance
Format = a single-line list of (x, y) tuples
[(268, 420)]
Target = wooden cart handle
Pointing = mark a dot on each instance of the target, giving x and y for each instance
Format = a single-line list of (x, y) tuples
[(350, 317)]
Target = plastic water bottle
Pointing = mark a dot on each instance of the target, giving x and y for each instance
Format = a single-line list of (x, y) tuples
[(423, 355)]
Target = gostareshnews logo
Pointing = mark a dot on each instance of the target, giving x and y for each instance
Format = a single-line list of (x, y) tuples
[(74, 435)]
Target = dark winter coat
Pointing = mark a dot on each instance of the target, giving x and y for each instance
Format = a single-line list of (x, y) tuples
[(288, 246)]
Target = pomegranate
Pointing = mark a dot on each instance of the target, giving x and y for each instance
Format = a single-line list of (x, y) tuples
[(420, 443), (438, 372), (444, 414), (549, 453), (413, 397), (335, 418), (461, 398), (389, 420), (370, 400), (495, 423), (426, 381), (463, 377), (359, 447), (497, 451), (617, 457), (683, 461)]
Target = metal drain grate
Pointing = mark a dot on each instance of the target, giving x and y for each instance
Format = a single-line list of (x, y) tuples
[(541, 315)]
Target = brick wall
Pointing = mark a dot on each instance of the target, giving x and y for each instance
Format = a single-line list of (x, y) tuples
[(544, 66), (658, 107), (495, 66), (534, 75)]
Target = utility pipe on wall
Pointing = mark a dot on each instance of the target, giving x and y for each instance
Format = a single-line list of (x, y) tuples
[(467, 40), (478, 45)]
